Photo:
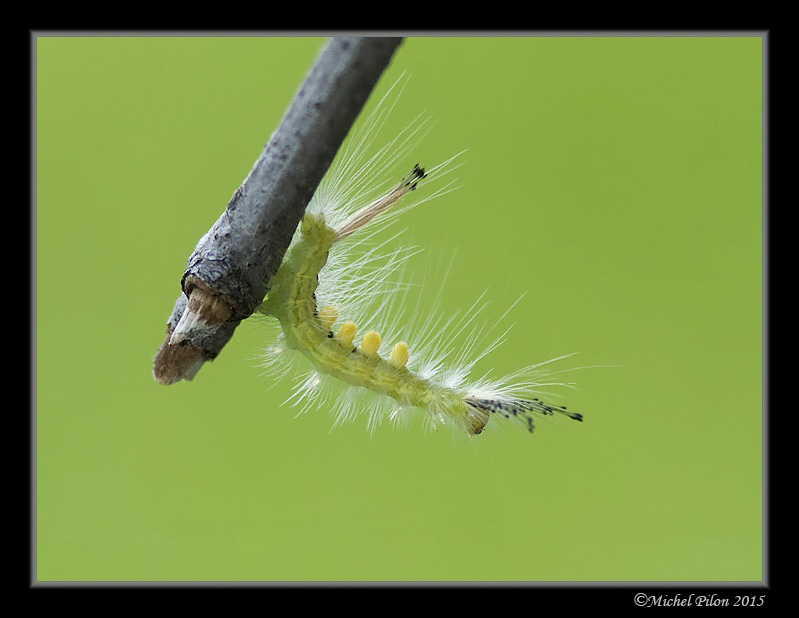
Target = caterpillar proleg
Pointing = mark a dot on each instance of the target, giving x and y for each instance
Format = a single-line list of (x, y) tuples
[(323, 283)]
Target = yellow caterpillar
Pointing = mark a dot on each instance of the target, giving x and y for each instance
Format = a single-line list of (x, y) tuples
[(331, 342)]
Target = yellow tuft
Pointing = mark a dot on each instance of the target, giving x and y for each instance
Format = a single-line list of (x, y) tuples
[(370, 343), (346, 334), (399, 355), (328, 315)]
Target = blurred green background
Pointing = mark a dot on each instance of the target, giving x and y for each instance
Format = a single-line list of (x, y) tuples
[(616, 181)]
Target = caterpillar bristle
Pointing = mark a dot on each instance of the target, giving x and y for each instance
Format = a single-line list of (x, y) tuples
[(519, 409), (365, 215)]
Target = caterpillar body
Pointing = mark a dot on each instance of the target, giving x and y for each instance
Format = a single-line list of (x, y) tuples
[(366, 364)]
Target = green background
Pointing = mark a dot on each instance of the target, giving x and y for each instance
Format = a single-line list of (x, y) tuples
[(617, 181)]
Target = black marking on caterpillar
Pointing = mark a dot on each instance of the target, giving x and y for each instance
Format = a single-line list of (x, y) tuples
[(520, 408)]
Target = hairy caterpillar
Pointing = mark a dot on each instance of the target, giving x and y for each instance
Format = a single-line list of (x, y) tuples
[(326, 335)]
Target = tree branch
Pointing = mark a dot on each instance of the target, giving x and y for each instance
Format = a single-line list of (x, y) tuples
[(227, 276)]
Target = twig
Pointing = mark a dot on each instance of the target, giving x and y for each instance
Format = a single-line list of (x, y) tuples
[(228, 274)]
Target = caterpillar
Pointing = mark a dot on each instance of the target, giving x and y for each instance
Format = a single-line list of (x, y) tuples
[(380, 374)]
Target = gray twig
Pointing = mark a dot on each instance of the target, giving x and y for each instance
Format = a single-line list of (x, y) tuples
[(228, 274)]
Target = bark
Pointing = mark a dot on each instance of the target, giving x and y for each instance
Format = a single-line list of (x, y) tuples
[(228, 273)]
